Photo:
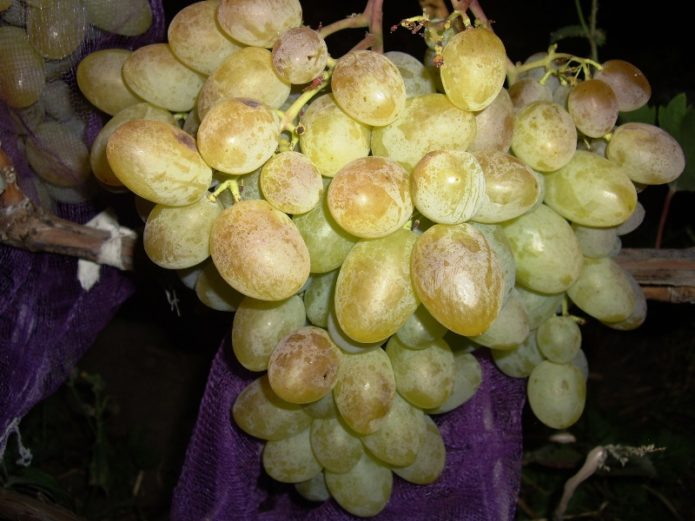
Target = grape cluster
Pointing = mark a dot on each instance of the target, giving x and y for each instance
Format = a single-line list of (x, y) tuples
[(372, 220)]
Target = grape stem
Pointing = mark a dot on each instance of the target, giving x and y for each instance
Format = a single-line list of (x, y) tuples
[(662, 219), (372, 18), (566, 69)]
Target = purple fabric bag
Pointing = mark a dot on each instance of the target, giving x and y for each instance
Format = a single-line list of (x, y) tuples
[(222, 476)]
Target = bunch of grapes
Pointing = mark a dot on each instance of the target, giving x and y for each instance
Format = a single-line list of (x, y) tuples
[(374, 219)]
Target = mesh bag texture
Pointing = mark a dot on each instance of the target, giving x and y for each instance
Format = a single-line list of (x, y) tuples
[(47, 320), (222, 477)]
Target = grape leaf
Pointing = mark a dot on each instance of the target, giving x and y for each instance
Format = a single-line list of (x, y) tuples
[(644, 114), (686, 138), (577, 31), (671, 115)]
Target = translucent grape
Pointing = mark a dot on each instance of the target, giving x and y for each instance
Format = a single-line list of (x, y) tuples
[(56, 28), (299, 55), (318, 298), (556, 394), (417, 78), (368, 87), (474, 69), (559, 339), (238, 135), (259, 251), (509, 329), (629, 84), (430, 459), (597, 242), (23, 77), (290, 460), (126, 17), (520, 361), (314, 489), (539, 306), (468, 376), (335, 447), (258, 22), (593, 107), (141, 149), (212, 290), (58, 155), (420, 329), (504, 257), (291, 183), (527, 90), (100, 79), (364, 490), (494, 125)]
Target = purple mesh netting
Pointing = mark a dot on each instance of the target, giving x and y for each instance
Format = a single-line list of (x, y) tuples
[(222, 476), (47, 320)]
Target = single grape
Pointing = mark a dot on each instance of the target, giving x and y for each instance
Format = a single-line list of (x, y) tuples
[(468, 375), (318, 298), (520, 361), (509, 329), (420, 329), (629, 84), (494, 125), (539, 306), (365, 489), (314, 489), (291, 183), (336, 448), (430, 459), (417, 78), (56, 28), (527, 90), (126, 17), (58, 155), (556, 394), (258, 22), (299, 55), (559, 339), (23, 76), (290, 460), (593, 107), (212, 290)]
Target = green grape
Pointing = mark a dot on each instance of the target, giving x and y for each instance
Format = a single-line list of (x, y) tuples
[(318, 298), (518, 362), (57, 98), (581, 363), (97, 155), (299, 55), (457, 278), (604, 290), (100, 80), (649, 154), (238, 135), (247, 73), (23, 77), (373, 293), (291, 183), (556, 394), (126, 17), (632, 222), (417, 78), (177, 237), (259, 251), (341, 339), (448, 186), (474, 69), (511, 187), (258, 411), (468, 376), (328, 243), (290, 460), (544, 137), (250, 185), (510, 327), (259, 325), (335, 447), (331, 138), (539, 306), (323, 408), (591, 190), (424, 377), (56, 28), (370, 197), (157, 76), (314, 489), (430, 459), (196, 39), (420, 330), (559, 339), (629, 84), (546, 251), (593, 107), (398, 440), (504, 257), (139, 151), (57, 155), (494, 125), (365, 389), (426, 123), (364, 490), (212, 290), (303, 367), (527, 90), (368, 87), (597, 242), (639, 312), (258, 22)]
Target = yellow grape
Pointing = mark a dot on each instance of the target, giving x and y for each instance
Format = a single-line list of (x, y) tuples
[(512, 188), (304, 365), (197, 40), (547, 254), (593, 107), (238, 135), (591, 190), (177, 237), (100, 79), (258, 411), (365, 389), (448, 186), (56, 28), (330, 137), (417, 78), (126, 17), (291, 183), (155, 74), (23, 77), (247, 73), (369, 87), (141, 150), (474, 68), (335, 447), (259, 325), (494, 125), (427, 123), (457, 278), (299, 55), (504, 256), (629, 84), (259, 251), (258, 22), (290, 460), (370, 197), (526, 91), (373, 294), (544, 137), (97, 155)]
